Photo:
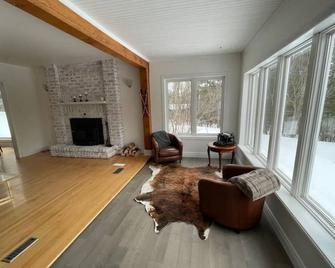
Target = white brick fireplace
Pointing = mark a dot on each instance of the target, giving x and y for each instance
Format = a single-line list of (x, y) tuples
[(99, 81)]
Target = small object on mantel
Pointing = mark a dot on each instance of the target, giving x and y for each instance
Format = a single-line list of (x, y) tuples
[(130, 150), (119, 164)]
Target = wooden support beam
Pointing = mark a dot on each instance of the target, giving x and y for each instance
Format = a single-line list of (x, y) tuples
[(63, 18)]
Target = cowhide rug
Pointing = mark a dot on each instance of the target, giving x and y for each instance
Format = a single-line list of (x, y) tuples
[(171, 195)]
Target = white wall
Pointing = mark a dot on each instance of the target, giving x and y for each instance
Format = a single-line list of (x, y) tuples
[(131, 104), (292, 19), (28, 108), (227, 64)]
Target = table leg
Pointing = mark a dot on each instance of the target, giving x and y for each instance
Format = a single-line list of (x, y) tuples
[(209, 157), (232, 157), (220, 156)]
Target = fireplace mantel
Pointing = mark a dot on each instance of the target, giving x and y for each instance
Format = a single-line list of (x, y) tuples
[(84, 103)]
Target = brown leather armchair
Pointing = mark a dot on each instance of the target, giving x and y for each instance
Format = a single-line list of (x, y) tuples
[(223, 202), (171, 153)]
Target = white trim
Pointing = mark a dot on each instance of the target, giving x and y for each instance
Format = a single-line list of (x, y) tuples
[(283, 238)]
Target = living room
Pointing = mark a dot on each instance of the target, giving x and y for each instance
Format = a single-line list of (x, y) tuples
[(143, 134)]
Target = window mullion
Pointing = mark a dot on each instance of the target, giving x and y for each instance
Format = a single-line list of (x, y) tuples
[(223, 92), (259, 109), (249, 101), (278, 109), (194, 103)]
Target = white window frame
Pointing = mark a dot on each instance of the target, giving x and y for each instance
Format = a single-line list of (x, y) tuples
[(262, 105), (314, 98), (194, 80), (314, 104), (252, 99), (288, 182)]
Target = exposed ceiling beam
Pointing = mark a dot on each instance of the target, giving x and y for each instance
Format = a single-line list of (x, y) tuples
[(63, 18)]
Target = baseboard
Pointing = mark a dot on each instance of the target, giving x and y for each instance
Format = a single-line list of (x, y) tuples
[(6, 143), (283, 238), (147, 152), (204, 155), (36, 151)]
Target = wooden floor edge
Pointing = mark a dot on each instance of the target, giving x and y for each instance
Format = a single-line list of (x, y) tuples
[(97, 214)]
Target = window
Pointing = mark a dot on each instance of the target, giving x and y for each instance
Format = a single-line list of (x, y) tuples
[(194, 106), (252, 99), (321, 187), (294, 88), (4, 128), (295, 136), (209, 95), (266, 124), (179, 107)]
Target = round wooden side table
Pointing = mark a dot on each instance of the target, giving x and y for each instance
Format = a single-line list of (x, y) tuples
[(220, 150)]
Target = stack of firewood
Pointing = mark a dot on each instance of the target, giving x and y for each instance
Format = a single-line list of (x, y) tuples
[(130, 150)]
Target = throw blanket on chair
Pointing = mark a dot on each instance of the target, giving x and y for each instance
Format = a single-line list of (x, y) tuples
[(162, 138), (257, 183)]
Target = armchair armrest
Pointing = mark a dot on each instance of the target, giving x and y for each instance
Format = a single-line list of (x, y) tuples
[(155, 148), (176, 142), (229, 171)]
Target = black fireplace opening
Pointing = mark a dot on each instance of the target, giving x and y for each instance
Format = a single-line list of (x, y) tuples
[(87, 131)]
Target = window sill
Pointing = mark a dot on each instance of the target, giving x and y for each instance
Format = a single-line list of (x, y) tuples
[(317, 234), (197, 137)]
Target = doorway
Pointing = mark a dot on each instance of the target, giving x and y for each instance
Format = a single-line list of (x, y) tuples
[(7, 139)]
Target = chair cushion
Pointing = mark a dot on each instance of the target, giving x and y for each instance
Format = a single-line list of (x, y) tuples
[(168, 151)]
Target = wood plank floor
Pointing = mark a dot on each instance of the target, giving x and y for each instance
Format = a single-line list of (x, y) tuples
[(55, 199), (123, 236)]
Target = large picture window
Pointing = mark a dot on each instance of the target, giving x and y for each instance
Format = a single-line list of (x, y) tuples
[(252, 100), (194, 106), (321, 187), (294, 88), (266, 124), (294, 132), (209, 95), (179, 106)]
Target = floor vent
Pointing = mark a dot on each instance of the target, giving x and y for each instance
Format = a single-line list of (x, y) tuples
[(117, 171), (20, 249)]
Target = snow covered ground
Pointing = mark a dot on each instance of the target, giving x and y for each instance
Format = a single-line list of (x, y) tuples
[(186, 129), (323, 176), (4, 129)]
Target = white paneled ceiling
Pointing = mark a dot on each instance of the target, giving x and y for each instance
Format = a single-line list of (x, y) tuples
[(160, 28)]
